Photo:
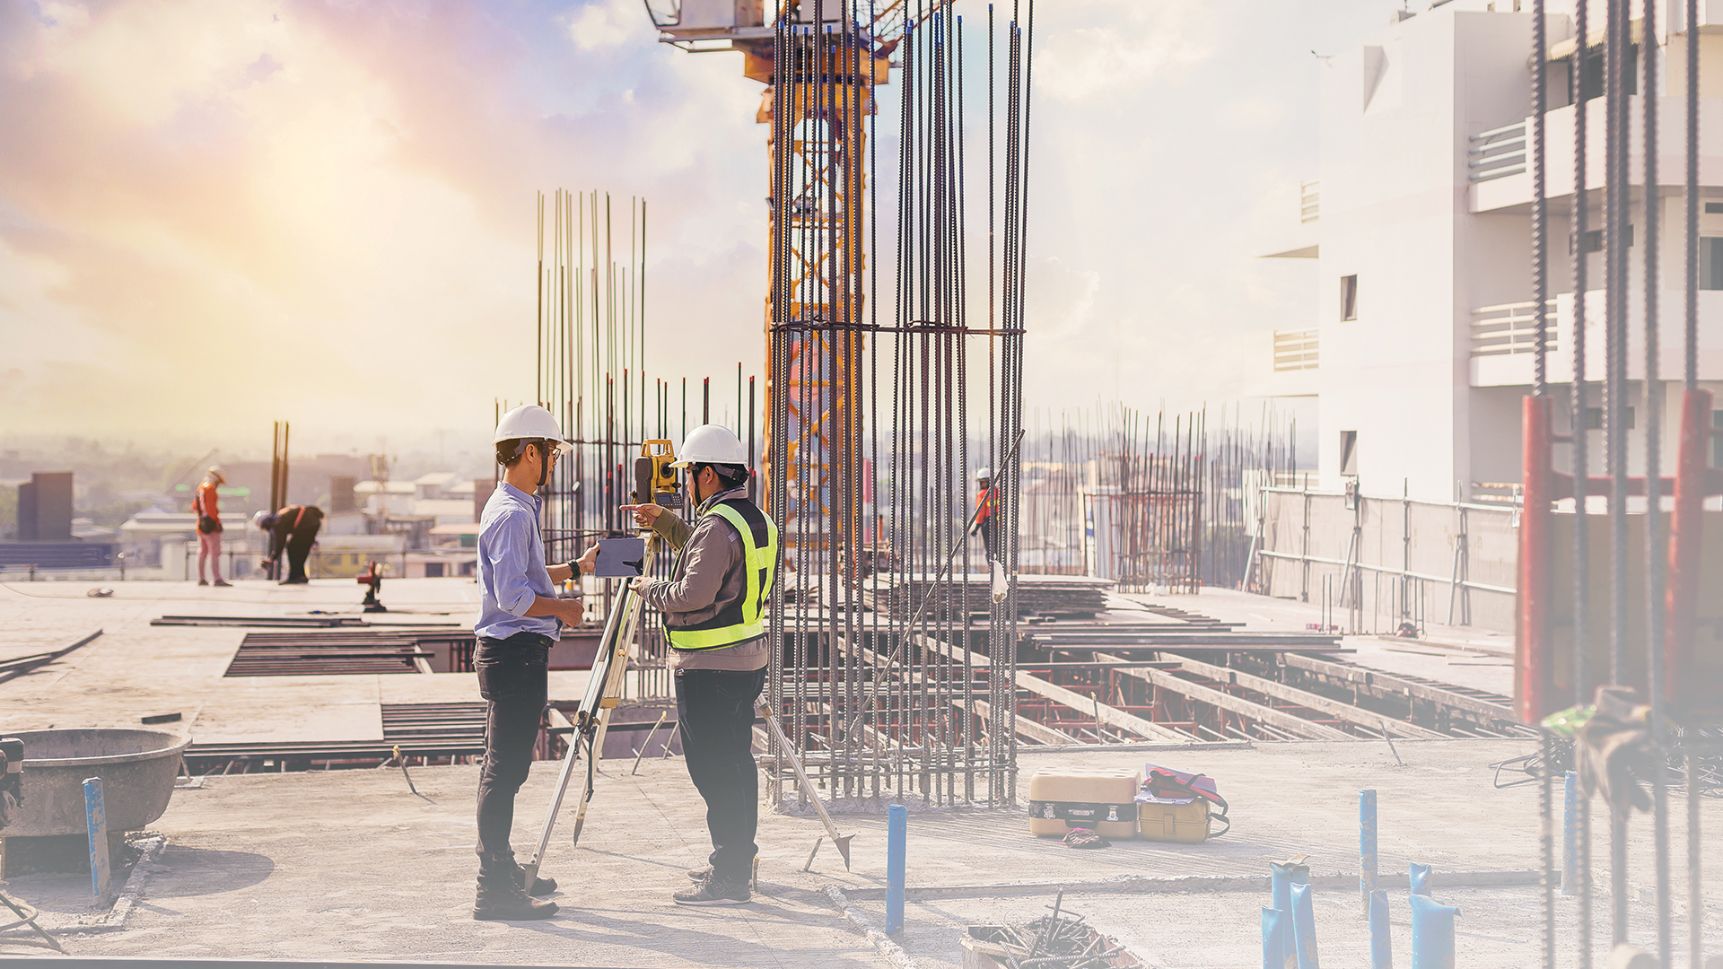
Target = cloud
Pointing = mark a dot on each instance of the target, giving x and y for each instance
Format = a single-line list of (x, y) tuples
[(1103, 48), (216, 213), (605, 24), (233, 215)]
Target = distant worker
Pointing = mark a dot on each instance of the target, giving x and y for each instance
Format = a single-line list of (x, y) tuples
[(987, 512), (292, 529), (520, 617), (714, 607), (208, 508)]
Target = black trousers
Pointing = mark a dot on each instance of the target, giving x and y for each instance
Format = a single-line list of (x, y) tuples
[(299, 544), (989, 534), (715, 713), (512, 676)]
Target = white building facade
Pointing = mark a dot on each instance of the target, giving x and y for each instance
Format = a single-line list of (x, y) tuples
[(1418, 225)]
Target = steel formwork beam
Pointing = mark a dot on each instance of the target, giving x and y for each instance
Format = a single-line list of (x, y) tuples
[(1402, 685), (1102, 713), (1026, 728), (1279, 719), (1313, 701)]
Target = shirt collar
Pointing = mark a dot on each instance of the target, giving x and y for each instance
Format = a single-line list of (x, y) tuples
[(739, 491), (531, 500)]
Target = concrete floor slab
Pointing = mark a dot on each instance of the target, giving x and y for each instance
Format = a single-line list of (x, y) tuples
[(352, 864)]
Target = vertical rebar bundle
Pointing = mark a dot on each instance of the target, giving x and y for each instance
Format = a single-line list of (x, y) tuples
[(1630, 637), (870, 444), (1165, 501), (590, 373)]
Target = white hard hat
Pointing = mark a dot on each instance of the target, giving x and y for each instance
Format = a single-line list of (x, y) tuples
[(983, 474), (711, 444), (261, 520), (215, 472), (531, 422)]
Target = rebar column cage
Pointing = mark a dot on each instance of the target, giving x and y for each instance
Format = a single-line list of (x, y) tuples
[(869, 445)]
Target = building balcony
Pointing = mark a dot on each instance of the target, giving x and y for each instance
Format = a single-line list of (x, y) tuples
[(1503, 338), (1295, 363), (1498, 161), (1298, 240)]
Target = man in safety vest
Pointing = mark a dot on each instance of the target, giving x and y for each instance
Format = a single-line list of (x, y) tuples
[(714, 607)]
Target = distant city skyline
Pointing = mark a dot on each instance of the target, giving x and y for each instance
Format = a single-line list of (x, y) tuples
[(214, 215)]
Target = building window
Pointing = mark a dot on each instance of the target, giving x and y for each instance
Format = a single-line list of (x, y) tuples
[(1594, 240), (1349, 297), (1349, 453), (1591, 76), (1717, 439), (1594, 418), (1710, 262)]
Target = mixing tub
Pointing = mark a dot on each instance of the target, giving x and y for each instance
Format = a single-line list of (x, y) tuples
[(137, 768)]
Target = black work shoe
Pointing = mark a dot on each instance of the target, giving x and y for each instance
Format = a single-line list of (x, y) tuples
[(508, 903), (715, 891), (701, 873), (539, 886), (501, 898)]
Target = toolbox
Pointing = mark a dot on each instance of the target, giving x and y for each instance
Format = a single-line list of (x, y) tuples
[(1102, 800), (1177, 806), (1159, 820)]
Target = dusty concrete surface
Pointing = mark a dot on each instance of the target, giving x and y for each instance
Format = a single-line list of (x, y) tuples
[(351, 864)]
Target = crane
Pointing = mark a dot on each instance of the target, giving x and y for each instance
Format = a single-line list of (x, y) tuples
[(821, 172)]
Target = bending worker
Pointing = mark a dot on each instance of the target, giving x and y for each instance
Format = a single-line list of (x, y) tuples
[(520, 617), (292, 529), (714, 607)]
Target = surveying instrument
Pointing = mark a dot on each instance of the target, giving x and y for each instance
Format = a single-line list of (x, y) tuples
[(655, 482)]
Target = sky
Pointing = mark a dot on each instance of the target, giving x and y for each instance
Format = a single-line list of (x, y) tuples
[(219, 213)]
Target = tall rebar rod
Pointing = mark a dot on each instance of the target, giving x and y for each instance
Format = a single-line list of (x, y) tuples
[(1579, 432), (1690, 382), (1656, 546)]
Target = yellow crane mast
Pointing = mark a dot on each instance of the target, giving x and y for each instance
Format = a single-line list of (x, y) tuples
[(821, 172)]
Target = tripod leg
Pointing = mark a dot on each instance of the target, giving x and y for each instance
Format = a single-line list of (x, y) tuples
[(29, 918)]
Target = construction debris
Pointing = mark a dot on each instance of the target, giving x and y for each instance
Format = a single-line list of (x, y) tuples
[(1057, 941)]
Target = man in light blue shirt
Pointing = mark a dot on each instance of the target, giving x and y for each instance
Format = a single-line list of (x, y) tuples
[(520, 617)]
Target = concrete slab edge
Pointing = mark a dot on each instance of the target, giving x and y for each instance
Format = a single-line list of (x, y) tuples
[(1135, 885), (882, 943), (114, 919)]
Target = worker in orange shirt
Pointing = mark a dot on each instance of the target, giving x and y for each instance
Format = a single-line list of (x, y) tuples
[(987, 511), (208, 509)]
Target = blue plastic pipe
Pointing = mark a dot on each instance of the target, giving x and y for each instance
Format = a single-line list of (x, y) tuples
[(96, 822), (1281, 877), (896, 833), (1366, 847), (1419, 877), (1381, 942), (1432, 933), (1274, 923), (1570, 834), (1304, 927)]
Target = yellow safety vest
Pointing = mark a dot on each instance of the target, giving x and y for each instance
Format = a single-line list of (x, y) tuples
[(739, 621)]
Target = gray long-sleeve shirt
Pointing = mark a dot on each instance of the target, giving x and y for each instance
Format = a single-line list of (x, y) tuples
[(709, 579)]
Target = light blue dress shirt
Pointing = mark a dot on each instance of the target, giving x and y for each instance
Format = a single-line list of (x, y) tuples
[(511, 567)]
